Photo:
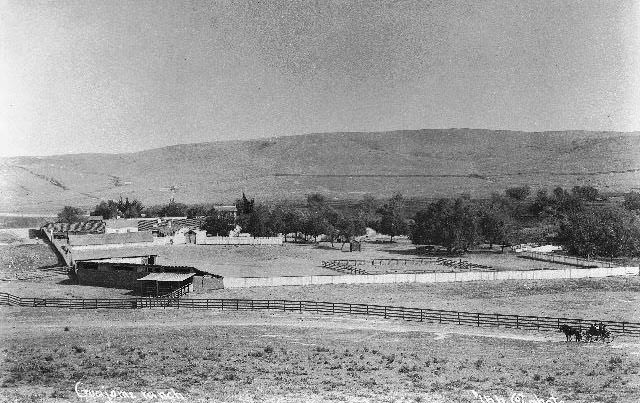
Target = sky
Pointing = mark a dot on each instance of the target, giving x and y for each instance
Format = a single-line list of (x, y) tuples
[(119, 76)]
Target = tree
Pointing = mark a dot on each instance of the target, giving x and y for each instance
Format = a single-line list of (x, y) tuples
[(257, 222), (244, 205), (293, 220), (217, 223), (566, 203), (173, 209), (349, 226), (130, 209), (276, 222), (392, 222), (197, 210), (316, 224), (587, 193), (518, 192), (607, 231), (121, 208), (544, 205), (450, 223), (367, 209), (70, 214), (107, 209), (495, 226)]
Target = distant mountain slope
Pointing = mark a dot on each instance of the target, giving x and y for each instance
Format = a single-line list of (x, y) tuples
[(429, 163)]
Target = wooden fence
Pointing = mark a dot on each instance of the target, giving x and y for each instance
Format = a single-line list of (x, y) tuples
[(562, 259), (479, 319)]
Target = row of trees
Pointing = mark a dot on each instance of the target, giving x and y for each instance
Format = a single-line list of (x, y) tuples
[(579, 218)]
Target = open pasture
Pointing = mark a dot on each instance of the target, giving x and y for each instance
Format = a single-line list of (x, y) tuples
[(245, 357), (613, 298)]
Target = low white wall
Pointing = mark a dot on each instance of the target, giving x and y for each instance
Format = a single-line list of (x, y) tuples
[(241, 282), (225, 240), (112, 246)]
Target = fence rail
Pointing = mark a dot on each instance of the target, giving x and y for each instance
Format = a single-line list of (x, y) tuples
[(562, 259), (479, 319)]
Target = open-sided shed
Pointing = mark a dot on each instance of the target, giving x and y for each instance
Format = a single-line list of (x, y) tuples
[(157, 284)]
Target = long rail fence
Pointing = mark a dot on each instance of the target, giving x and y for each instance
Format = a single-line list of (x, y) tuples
[(479, 319), (568, 260)]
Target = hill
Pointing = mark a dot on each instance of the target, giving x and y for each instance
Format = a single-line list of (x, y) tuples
[(420, 163)]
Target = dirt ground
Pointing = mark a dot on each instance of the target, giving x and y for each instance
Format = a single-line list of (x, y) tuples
[(246, 357), (613, 298), (304, 260)]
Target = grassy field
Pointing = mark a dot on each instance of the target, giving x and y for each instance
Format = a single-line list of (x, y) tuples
[(232, 357), (25, 261), (613, 298)]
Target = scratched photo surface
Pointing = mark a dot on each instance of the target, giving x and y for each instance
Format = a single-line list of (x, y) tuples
[(320, 201)]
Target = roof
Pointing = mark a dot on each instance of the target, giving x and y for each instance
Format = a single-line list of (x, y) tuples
[(110, 239), (166, 277), (174, 223), (122, 223), (96, 227), (100, 254)]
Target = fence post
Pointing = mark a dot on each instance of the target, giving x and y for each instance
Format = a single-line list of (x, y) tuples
[(237, 305), (458, 317), (478, 314), (333, 308), (439, 317), (622, 327), (300, 302), (420, 315)]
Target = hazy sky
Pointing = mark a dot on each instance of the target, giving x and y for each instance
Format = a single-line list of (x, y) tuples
[(114, 76)]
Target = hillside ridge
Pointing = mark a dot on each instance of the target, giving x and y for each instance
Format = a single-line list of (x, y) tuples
[(417, 163)]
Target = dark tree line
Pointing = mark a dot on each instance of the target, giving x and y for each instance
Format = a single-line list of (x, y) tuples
[(580, 219)]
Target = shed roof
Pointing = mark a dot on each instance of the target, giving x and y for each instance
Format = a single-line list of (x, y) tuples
[(84, 226), (121, 223), (166, 277), (110, 239), (101, 254)]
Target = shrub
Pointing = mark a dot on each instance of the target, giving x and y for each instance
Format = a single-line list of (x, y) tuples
[(79, 349)]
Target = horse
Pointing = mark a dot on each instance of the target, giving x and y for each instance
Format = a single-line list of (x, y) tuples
[(571, 332), (592, 334)]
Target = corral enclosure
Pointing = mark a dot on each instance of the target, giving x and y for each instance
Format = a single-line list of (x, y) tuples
[(305, 260)]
